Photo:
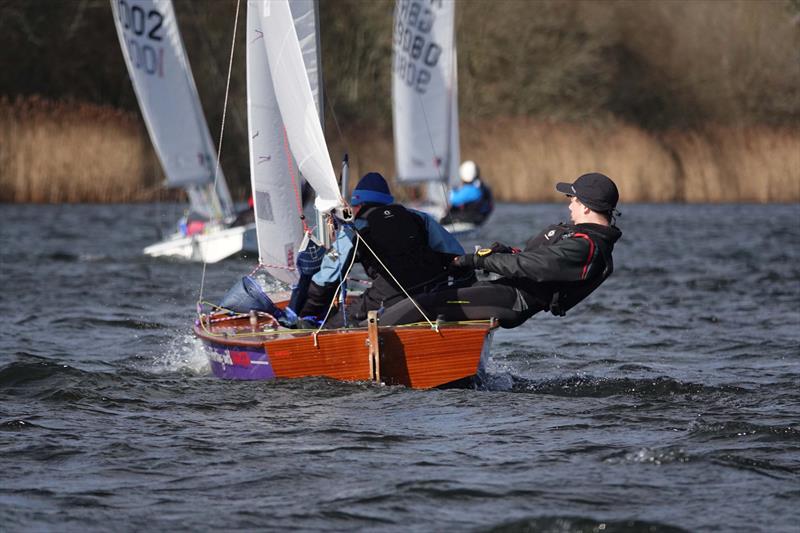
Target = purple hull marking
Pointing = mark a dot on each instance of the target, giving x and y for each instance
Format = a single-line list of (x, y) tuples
[(239, 363)]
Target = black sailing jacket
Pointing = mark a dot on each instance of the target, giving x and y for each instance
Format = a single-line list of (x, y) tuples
[(400, 239), (559, 267)]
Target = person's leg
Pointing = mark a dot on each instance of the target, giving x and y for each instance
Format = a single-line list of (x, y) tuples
[(479, 302)]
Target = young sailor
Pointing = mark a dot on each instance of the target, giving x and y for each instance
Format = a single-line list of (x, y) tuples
[(414, 248), (557, 268)]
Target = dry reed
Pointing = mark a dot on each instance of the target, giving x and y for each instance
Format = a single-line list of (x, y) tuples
[(54, 152), (68, 152), (521, 158)]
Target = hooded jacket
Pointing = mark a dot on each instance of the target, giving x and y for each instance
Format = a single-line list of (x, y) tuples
[(559, 267)]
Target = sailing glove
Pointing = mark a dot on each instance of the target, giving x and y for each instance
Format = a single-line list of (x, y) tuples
[(500, 248), (468, 261)]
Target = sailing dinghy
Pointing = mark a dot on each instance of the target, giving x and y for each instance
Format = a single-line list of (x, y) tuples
[(425, 104), (281, 108), (162, 80)]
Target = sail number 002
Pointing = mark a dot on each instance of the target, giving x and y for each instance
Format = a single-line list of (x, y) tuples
[(147, 24), (135, 19)]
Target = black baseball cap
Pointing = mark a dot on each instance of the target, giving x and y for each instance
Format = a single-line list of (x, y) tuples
[(596, 191)]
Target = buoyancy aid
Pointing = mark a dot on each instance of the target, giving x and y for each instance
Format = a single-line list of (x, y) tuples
[(399, 238), (560, 296)]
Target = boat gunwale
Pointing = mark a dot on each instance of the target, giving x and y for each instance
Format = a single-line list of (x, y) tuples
[(259, 338)]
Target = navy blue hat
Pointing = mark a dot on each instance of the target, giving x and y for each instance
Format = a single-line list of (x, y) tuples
[(596, 191), (372, 188)]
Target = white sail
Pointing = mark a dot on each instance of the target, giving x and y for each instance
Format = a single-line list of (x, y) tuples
[(275, 193), (167, 95), (297, 104), (453, 178), (424, 96), (306, 22)]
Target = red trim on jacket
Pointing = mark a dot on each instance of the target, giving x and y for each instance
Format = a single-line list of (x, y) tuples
[(591, 254)]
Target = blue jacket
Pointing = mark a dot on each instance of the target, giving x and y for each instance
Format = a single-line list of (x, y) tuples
[(467, 193)]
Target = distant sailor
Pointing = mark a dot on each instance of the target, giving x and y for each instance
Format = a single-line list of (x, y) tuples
[(412, 246), (472, 202), (557, 268)]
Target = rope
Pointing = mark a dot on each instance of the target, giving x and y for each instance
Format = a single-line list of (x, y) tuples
[(428, 320), (444, 184), (297, 193), (221, 132), (336, 122), (344, 279)]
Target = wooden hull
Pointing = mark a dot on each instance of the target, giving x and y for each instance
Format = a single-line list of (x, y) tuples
[(414, 356)]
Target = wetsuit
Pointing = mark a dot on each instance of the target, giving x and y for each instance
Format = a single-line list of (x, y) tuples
[(472, 202), (557, 269), (412, 245)]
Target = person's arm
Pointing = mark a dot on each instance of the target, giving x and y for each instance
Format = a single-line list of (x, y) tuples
[(439, 239), (464, 195), (566, 260), (322, 289), (331, 269)]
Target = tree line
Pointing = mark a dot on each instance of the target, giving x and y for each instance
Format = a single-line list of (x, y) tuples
[(659, 66)]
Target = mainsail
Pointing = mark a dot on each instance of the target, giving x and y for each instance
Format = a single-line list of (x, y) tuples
[(275, 196), (167, 95), (298, 107), (306, 22), (424, 93)]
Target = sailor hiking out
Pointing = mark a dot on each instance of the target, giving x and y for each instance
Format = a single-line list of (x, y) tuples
[(558, 268)]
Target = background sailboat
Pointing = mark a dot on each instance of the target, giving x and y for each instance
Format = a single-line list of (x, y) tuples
[(425, 103), (165, 88)]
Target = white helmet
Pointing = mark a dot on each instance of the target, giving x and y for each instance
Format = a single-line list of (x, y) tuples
[(468, 171)]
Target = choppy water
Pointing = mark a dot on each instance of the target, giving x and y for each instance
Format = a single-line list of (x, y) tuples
[(668, 401)]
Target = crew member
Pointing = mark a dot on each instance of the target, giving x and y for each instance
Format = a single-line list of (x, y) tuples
[(472, 202), (557, 268), (411, 245)]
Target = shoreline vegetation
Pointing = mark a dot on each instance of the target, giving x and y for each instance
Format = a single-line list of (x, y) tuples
[(53, 152), (679, 101)]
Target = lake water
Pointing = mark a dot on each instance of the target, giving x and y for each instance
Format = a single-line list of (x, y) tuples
[(667, 401)]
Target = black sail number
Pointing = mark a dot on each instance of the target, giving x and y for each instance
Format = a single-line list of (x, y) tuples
[(134, 18), (416, 53)]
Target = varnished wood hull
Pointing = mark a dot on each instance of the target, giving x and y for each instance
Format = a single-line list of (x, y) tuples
[(414, 356)]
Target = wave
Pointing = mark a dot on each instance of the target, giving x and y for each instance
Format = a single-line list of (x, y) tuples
[(127, 323), (708, 431), (594, 387), (183, 354), (655, 456), (575, 524)]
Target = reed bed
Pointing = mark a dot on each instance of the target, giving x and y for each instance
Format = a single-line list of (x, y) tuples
[(71, 152), (521, 158), (52, 152)]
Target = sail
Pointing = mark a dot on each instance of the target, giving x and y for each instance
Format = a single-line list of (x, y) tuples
[(306, 22), (424, 97), (275, 194), (453, 178), (296, 102), (167, 95)]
